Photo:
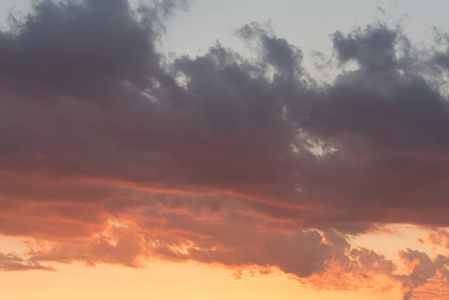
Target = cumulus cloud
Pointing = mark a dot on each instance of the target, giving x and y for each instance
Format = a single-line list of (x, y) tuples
[(427, 277), (217, 158)]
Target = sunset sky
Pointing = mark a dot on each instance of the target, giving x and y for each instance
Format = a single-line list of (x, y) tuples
[(224, 150)]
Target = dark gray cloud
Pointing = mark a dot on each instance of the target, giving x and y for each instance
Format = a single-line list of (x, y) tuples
[(41, 59)]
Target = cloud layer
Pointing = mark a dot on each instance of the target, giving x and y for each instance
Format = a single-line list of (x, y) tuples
[(110, 155)]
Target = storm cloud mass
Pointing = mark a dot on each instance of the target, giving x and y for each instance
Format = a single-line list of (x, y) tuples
[(109, 154)]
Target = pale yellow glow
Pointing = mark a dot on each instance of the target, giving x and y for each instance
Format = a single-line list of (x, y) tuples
[(395, 237), (160, 281)]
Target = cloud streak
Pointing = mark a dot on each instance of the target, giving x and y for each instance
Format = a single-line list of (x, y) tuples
[(10, 262)]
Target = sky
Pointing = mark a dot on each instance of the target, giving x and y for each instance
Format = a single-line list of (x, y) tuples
[(224, 150)]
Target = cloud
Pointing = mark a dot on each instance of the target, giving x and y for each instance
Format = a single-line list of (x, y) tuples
[(217, 158), (427, 278), (10, 262), (439, 238)]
